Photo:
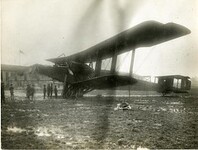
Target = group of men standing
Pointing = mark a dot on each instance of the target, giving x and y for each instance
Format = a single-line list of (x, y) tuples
[(30, 91), (49, 91)]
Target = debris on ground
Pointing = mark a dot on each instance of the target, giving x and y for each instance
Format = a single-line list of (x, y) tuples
[(123, 106)]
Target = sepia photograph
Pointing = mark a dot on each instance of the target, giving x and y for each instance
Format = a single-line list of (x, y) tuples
[(99, 74)]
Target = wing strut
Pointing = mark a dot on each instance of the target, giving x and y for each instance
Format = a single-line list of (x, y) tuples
[(132, 62), (131, 70)]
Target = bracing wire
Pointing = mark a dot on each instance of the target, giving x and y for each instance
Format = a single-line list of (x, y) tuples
[(123, 59), (107, 64), (138, 68)]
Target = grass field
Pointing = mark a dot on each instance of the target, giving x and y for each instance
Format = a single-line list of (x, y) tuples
[(92, 123)]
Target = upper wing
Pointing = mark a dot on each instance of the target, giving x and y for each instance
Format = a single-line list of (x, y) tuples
[(146, 34)]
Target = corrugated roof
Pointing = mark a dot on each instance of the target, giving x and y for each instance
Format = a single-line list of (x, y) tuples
[(5, 67)]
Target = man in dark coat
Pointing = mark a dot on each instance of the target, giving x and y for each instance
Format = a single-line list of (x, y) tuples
[(32, 92), (44, 91), (55, 91), (11, 92), (28, 91), (2, 93), (48, 90), (51, 90)]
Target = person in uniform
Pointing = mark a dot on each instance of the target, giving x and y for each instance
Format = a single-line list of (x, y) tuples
[(51, 90), (55, 91), (48, 90), (2, 93), (11, 92), (32, 92), (28, 91), (44, 91)]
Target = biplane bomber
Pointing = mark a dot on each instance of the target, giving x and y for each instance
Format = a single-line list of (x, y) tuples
[(82, 72)]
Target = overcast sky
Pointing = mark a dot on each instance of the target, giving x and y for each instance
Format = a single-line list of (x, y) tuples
[(45, 29)]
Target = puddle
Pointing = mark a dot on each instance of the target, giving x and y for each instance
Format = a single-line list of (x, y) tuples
[(157, 124), (86, 121), (142, 148), (33, 110), (79, 105), (176, 110), (137, 120), (174, 103), (142, 101), (124, 95), (45, 115), (162, 109), (15, 129), (42, 133), (68, 143), (49, 132), (21, 110)]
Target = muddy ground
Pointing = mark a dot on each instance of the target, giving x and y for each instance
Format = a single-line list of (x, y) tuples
[(90, 122)]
